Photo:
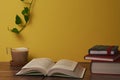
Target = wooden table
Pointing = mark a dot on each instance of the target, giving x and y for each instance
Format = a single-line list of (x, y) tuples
[(8, 73)]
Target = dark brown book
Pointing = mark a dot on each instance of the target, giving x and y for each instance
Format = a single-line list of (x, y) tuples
[(103, 49)]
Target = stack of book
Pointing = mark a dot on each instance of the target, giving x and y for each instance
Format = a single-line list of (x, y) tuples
[(105, 59)]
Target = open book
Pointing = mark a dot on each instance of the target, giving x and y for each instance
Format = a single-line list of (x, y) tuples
[(46, 67)]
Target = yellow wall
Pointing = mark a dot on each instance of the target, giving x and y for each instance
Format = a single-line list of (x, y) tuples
[(61, 28)]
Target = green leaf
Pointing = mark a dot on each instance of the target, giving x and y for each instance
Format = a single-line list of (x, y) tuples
[(18, 20), (15, 30), (25, 11), (26, 18)]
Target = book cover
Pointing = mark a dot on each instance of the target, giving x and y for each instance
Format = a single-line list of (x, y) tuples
[(102, 57), (103, 49), (105, 67)]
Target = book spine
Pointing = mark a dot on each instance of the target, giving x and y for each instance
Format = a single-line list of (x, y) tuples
[(95, 52), (92, 66), (106, 50), (99, 59), (101, 52), (115, 61)]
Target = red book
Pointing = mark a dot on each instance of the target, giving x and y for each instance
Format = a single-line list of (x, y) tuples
[(103, 57)]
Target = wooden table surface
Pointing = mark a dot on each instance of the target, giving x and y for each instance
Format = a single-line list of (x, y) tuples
[(8, 73)]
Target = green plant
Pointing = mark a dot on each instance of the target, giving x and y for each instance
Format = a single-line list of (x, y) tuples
[(26, 14)]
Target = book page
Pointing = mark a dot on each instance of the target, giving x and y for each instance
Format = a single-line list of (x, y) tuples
[(77, 73), (65, 64), (67, 68), (38, 64)]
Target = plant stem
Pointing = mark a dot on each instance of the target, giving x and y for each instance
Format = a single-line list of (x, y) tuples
[(23, 27)]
